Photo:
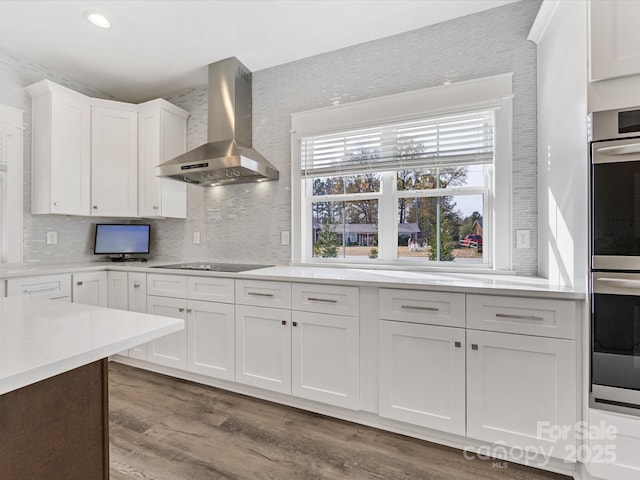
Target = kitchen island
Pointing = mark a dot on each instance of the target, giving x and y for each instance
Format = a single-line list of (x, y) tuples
[(53, 384)]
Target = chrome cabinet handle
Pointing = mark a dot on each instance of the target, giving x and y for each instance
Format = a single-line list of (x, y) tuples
[(181, 310), (458, 344), (79, 283), (284, 322), (56, 204), (41, 289), (95, 207), (189, 310), (474, 346), (416, 307), (326, 300), (259, 294), (136, 284), (519, 317)]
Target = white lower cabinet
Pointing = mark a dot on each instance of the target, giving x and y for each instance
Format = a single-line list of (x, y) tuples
[(118, 290), (263, 347), (211, 338), (137, 302), (325, 358), (422, 375), (90, 288), (170, 350), (517, 387), (613, 446)]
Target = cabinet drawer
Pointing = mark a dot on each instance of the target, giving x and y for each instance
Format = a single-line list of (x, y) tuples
[(433, 308), (334, 300), (167, 285), (49, 286), (528, 316), (211, 289), (263, 294)]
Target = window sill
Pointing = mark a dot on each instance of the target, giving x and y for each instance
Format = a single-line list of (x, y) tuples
[(408, 267)]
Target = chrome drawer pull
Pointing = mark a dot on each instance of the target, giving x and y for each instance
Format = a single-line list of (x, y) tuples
[(258, 294), (416, 307), (326, 300), (42, 289), (519, 317)]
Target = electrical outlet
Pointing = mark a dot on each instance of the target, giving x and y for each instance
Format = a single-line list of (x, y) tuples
[(52, 238), (284, 238), (523, 238), (196, 238)]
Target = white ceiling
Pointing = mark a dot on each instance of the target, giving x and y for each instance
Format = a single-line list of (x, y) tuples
[(158, 47)]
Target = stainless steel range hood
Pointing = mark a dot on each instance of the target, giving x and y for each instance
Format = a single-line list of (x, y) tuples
[(227, 157)]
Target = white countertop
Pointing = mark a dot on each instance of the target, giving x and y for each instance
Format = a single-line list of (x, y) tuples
[(42, 338), (484, 283)]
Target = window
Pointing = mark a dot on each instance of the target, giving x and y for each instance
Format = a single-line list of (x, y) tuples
[(10, 184), (406, 180)]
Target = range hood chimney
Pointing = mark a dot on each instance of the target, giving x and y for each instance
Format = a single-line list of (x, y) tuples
[(228, 156)]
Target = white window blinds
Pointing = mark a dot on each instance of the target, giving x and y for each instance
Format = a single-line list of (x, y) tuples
[(455, 139)]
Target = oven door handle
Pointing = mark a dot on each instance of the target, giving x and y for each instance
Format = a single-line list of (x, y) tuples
[(628, 149), (619, 282)]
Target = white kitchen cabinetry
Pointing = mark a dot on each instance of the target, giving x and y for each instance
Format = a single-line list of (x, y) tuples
[(3, 288), (162, 135), (422, 375), (90, 288), (53, 287), (114, 160), (311, 352), (170, 350), (137, 302), (118, 290), (422, 358), (211, 339), (89, 158), (263, 347), (521, 371), (614, 446), (325, 358), (61, 156), (614, 39), (207, 345), (516, 384)]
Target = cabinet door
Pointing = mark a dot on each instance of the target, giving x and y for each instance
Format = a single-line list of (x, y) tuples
[(211, 331), (263, 347), (137, 287), (170, 350), (61, 157), (90, 288), (117, 290), (517, 384), (614, 446), (614, 39), (161, 137), (114, 162), (422, 375), (325, 358)]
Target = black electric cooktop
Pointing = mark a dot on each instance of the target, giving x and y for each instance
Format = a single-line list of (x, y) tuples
[(214, 267)]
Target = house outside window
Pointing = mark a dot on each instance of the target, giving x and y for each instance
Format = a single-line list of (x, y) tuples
[(415, 179)]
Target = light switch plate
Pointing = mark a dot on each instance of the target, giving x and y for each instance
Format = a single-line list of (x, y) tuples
[(52, 238), (523, 238), (284, 238), (196, 238)]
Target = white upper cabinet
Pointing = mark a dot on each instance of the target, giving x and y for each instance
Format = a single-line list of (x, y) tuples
[(98, 157), (61, 156), (162, 135), (114, 162), (614, 39)]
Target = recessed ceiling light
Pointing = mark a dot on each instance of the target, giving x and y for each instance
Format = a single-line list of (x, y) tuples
[(98, 20)]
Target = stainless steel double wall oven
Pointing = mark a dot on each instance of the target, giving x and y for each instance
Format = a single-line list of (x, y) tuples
[(615, 260)]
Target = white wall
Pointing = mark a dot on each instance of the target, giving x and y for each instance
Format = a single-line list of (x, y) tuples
[(562, 145)]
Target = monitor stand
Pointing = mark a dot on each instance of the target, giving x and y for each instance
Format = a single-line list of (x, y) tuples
[(123, 257)]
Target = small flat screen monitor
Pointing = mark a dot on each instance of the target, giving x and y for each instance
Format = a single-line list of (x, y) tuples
[(121, 239)]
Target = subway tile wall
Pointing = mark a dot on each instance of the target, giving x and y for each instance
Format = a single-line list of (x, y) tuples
[(243, 222)]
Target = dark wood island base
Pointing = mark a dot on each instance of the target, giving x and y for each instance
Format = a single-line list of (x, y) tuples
[(57, 429)]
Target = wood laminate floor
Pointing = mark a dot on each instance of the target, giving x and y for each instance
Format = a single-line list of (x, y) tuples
[(168, 429)]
